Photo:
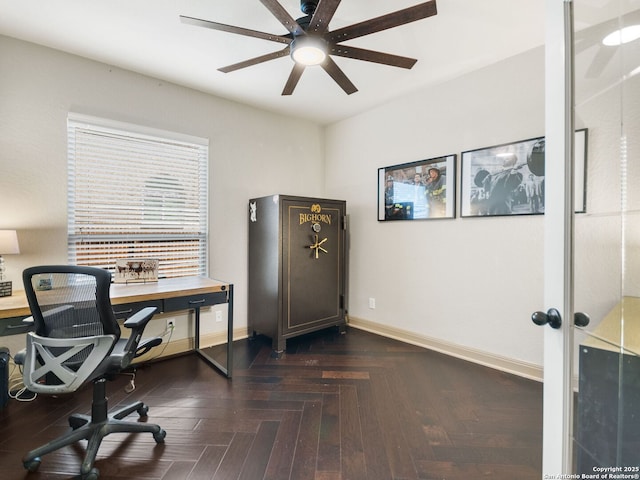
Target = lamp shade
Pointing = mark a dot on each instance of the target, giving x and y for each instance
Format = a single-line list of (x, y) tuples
[(9, 242)]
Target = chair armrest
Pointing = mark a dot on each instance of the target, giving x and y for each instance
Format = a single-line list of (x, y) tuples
[(136, 323), (21, 356), (140, 318), (147, 344)]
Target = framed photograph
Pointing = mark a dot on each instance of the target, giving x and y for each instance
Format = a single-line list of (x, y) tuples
[(421, 190), (508, 179), (136, 270)]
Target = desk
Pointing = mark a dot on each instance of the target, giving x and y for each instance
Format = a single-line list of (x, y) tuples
[(168, 295)]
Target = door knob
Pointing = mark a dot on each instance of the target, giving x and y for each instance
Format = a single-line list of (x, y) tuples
[(581, 319), (552, 317)]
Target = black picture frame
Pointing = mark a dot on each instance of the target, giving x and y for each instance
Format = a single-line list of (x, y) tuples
[(508, 179), (421, 190)]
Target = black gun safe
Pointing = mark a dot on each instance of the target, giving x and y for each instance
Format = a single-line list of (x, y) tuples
[(297, 266)]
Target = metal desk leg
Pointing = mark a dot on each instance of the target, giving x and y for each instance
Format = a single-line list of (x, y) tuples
[(230, 332), (225, 369)]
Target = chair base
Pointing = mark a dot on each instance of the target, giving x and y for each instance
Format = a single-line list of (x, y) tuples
[(93, 429)]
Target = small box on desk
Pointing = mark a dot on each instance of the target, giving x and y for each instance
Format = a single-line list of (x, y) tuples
[(5, 289)]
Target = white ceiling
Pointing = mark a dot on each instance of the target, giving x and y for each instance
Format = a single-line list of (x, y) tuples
[(146, 36)]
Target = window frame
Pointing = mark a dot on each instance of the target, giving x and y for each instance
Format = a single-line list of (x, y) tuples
[(190, 223)]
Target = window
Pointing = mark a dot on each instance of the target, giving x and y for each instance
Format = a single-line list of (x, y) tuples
[(136, 193)]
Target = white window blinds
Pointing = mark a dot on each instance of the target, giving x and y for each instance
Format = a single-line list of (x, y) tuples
[(136, 193)]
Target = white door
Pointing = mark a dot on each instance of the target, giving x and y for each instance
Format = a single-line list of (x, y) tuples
[(592, 259), (558, 243)]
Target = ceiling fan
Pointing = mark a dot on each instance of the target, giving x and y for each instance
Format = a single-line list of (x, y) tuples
[(310, 42)]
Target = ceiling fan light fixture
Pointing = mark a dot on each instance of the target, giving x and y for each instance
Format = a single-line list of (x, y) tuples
[(308, 51), (622, 36), (310, 41)]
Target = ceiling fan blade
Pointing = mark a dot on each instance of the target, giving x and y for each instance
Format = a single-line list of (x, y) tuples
[(292, 81), (254, 61), (338, 75), (323, 15), (600, 61), (232, 29), (283, 17), (395, 19), (372, 56)]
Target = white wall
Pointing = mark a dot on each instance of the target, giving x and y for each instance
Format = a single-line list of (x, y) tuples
[(252, 152), (472, 282), (467, 282)]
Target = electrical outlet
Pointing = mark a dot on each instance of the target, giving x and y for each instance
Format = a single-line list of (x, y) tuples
[(372, 303), (218, 316), (171, 324)]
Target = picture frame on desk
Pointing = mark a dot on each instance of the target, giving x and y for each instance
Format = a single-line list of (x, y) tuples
[(136, 270)]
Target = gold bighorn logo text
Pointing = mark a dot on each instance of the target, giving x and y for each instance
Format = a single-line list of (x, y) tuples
[(315, 215)]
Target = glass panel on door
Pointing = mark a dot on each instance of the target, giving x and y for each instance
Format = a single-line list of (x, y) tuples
[(606, 434)]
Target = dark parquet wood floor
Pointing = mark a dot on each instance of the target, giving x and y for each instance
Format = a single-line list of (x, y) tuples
[(333, 407)]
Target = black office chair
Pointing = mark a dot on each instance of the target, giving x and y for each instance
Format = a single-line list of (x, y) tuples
[(76, 339)]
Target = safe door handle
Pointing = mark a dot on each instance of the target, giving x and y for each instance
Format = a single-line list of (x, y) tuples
[(552, 317)]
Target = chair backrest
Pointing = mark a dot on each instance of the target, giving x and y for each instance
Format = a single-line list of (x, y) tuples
[(70, 301), (74, 326)]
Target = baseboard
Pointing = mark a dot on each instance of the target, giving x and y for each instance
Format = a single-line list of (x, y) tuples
[(522, 369)]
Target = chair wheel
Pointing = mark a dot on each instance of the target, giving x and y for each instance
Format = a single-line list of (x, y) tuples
[(159, 437), (143, 411), (93, 474), (32, 465)]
